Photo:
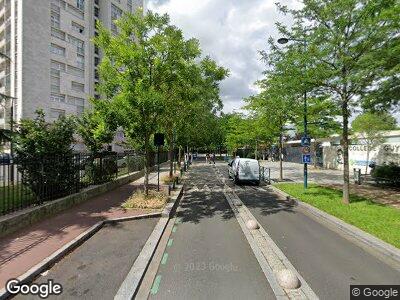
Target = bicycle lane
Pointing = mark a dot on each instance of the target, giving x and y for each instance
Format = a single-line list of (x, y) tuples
[(207, 255)]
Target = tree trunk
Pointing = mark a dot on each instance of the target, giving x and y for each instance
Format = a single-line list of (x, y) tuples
[(366, 166), (170, 137), (146, 166), (180, 155), (345, 145), (280, 157)]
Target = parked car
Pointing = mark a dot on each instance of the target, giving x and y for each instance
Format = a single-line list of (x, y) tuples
[(5, 159), (244, 169)]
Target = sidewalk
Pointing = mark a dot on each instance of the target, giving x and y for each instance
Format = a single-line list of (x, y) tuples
[(294, 172), (23, 249), (334, 179)]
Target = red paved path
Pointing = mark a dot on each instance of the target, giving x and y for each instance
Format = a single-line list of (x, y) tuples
[(25, 248)]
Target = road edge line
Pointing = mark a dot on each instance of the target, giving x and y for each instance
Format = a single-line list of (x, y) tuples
[(365, 238), (268, 272), (131, 283)]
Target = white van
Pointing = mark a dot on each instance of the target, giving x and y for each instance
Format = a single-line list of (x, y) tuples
[(244, 169)]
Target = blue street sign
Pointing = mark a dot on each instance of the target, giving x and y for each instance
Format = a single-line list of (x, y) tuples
[(306, 158), (305, 141)]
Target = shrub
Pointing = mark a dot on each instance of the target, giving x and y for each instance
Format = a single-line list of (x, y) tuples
[(134, 163), (388, 173), (139, 199), (44, 157), (101, 169)]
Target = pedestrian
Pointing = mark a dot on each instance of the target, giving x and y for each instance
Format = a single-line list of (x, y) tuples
[(213, 158), (207, 157)]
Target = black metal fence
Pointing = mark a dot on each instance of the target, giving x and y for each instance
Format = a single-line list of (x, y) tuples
[(25, 183)]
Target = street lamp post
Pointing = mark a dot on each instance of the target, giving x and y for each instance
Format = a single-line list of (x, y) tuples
[(304, 42)]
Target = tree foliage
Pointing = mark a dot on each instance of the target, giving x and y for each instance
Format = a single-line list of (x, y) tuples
[(44, 156), (350, 55)]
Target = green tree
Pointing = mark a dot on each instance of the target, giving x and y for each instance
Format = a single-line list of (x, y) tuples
[(369, 128), (351, 48), (45, 157), (133, 72), (94, 130)]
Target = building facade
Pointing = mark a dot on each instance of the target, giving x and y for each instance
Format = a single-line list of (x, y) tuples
[(328, 153), (52, 62)]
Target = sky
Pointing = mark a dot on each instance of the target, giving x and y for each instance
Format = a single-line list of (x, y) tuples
[(231, 32)]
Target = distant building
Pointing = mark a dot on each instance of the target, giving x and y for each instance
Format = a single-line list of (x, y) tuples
[(328, 153), (53, 62)]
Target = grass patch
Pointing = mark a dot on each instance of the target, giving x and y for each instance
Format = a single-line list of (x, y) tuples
[(377, 219), (153, 200), (166, 179)]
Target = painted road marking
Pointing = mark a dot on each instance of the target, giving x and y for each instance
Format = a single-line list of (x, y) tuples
[(170, 241), (164, 259), (156, 285), (174, 228)]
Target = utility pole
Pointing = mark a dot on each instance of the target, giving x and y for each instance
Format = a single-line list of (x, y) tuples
[(304, 42)]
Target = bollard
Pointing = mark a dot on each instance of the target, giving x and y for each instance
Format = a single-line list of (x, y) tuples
[(169, 190)]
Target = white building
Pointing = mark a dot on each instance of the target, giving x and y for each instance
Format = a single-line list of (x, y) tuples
[(328, 153), (53, 61)]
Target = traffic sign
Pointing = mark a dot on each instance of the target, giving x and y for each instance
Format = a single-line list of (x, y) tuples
[(306, 150), (306, 158), (305, 141)]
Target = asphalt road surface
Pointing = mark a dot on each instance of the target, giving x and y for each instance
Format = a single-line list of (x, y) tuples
[(96, 269), (208, 256), (328, 262)]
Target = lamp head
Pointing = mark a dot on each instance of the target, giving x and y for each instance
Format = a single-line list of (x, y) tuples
[(283, 40)]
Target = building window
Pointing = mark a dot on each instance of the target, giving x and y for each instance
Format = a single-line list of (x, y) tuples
[(97, 2), (79, 110), (80, 4), (57, 50), (55, 84), (57, 65), (78, 87), (78, 28), (55, 16), (57, 98), (56, 113), (80, 45), (116, 13), (80, 61), (58, 34), (96, 61), (76, 71), (130, 5), (96, 12), (96, 50)]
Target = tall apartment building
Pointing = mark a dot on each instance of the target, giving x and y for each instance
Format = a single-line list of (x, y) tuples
[(52, 63)]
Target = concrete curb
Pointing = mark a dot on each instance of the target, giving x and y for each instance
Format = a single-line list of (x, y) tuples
[(45, 264), (365, 238), (130, 285)]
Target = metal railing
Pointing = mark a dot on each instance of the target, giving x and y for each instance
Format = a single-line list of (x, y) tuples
[(25, 183), (265, 174)]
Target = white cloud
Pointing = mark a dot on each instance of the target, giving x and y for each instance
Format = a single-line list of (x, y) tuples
[(231, 32)]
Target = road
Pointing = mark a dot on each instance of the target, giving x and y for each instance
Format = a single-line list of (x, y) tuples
[(207, 235), (208, 257)]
